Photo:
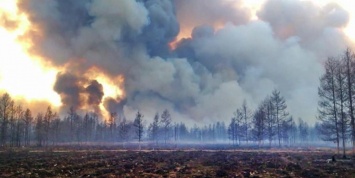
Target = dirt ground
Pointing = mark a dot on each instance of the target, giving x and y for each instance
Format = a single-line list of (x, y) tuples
[(188, 163)]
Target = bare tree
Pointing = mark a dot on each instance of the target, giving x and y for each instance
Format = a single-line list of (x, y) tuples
[(40, 129), (166, 122), (55, 130), (350, 85), (19, 114), (48, 117), (238, 115), (138, 125), (12, 124), (72, 118), (232, 130), (28, 119), (286, 130), (259, 125), (341, 95), (123, 129), (246, 113), (280, 113), (270, 120), (327, 106), (303, 129), (154, 129), (112, 125), (5, 109)]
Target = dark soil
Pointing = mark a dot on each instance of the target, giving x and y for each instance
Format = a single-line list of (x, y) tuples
[(108, 163)]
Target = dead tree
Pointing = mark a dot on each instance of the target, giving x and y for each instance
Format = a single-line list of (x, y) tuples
[(350, 85), (5, 108), (138, 125), (166, 122), (259, 125), (28, 119), (327, 106), (280, 113)]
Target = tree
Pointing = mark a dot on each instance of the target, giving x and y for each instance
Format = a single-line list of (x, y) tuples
[(350, 85), (48, 117), (39, 129), (72, 118), (112, 124), (303, 129), (138, 125), (19, 114), (123, 128), (270, 119), (238, 115), (327, 106), (286, 129), (154, 128), (5, 109), (258, 122), (166, 122), (28, 119), (12, 124), (246, 113), (341, 96), (232, 130), (279, 104), (55, 129)]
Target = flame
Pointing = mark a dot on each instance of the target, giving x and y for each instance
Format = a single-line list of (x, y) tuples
[(22, 75), (29, 77), (110, 87), (350, 28)]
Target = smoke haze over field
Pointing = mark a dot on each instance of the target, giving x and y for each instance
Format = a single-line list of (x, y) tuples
[(221, 56)]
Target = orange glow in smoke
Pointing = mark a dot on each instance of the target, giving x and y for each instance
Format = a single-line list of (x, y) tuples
[(186, 33), (22, 75), (29, 77)]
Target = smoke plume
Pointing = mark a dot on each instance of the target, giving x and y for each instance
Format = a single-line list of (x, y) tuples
[(228, 58)]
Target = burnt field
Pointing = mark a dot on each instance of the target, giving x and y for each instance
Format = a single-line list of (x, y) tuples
[(66, 162)]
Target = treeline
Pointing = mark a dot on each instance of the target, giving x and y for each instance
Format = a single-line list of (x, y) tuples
[(270, 122), (336, 105), (19, 127)]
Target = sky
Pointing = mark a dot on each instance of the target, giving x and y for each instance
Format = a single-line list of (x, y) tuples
[(200, 59)]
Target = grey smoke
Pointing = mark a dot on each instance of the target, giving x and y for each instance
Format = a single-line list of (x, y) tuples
[(208, 75), (69, 88)]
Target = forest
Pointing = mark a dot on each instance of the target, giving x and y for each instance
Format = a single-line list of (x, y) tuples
[(250, 144), (269, 125)]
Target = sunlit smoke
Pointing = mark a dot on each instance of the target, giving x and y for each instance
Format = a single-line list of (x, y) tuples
[(118, 59), (29, 77), (21, 74)]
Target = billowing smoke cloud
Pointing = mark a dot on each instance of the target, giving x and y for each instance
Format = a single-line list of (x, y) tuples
[(228, 58), (79, 92), (316, 29), (69, 87), (210, 12), (95, 93)]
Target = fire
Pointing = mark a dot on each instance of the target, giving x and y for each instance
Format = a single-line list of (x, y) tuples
[(110, 87), (350, 28), (29, 77), (22, 75)]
